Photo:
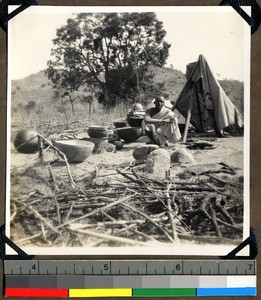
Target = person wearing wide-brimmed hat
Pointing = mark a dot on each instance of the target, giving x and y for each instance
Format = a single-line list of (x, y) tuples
[(160, 123)]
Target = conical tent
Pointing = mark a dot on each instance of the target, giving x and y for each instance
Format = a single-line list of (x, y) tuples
[(205, 100)]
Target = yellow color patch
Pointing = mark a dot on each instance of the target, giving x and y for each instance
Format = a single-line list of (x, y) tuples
[(100, 292)]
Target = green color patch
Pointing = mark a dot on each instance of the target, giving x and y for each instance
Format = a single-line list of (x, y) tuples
[(163, 292)]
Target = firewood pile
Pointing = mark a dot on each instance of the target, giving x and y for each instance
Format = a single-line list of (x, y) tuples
[(134, 210)]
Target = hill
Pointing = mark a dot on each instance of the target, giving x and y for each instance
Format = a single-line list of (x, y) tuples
[(34, 105)]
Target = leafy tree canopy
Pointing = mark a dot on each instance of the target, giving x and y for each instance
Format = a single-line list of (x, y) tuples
[(112, 50)]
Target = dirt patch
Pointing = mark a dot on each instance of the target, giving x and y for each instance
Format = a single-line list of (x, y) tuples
[(186, 206)]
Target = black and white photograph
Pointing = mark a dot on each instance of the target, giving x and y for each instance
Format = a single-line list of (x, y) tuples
[(128, 130)]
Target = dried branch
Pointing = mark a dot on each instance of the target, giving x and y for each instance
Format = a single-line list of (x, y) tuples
[(69, 212), (41, 218), (64, 158), (53, 178), (14, 213), (223, 211), (74, 228), (226, 181), (214, 220), (163, 203), (150, 220), (110, 205), (58, 210), (170, 214)]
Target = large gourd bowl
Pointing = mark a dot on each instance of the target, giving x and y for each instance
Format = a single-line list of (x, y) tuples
[(26, 141), (129, 134), (76, 151)]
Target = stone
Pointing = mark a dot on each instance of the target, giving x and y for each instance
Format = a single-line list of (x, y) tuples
[(105, 147), (118, 145), (112, 138), (142, 152), (182, 156), (158, 163)]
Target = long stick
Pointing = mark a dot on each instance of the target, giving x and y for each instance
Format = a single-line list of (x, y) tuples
[(53, 178), (225, 213), (24, 240), (57, 209), (174, 233), (214, 220), (98, 210), (118, 222), (69, 212), (226, 181), (40, 148), (63, 156), (220, 192), (106, 236), (127, 176), (163, 203), (40, 217), (13, 214), (188, 116), (149, 219)]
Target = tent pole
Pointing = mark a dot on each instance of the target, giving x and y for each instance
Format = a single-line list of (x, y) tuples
[(188, 116)]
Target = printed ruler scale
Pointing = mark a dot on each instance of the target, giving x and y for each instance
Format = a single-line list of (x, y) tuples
[(129, 278)]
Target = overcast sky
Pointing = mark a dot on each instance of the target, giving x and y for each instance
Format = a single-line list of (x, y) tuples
[(218, 33)]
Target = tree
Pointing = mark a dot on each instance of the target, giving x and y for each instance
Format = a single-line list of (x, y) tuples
[(112, 50)]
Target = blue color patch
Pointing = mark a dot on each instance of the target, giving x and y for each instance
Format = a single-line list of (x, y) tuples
[(248, 291)]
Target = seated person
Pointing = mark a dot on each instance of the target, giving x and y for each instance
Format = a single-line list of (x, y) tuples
[(160, 124)]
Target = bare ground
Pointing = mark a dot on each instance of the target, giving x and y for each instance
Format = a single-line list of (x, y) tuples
[(98, 176)]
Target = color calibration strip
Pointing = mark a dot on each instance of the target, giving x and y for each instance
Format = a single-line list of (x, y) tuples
[(134, 278), (127, 292), (128, 286)]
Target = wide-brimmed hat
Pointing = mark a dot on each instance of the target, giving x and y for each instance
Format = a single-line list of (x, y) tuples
[(138, 107)]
